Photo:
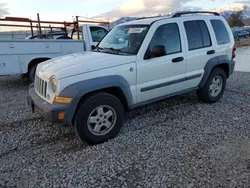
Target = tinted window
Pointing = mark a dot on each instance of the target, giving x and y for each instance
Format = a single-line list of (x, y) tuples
[(197, 34), (193, 35), (169, 36), (221, 32), (97, 33), (205, 34)]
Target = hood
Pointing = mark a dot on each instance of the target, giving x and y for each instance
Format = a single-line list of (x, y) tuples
[(79, 63)]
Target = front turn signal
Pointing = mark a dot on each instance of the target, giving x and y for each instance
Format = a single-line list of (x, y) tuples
[(63, 100)]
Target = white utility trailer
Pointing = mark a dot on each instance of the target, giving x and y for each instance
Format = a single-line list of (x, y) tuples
[(22, 56)]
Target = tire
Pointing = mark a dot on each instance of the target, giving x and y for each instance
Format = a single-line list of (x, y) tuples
[(32, 73), (208, 93), (91, 131)]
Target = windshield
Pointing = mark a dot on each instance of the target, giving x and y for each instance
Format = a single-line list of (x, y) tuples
[(125, 39)]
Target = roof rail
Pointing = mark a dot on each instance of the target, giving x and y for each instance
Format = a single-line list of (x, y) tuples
[(179, 14), (141, 18)]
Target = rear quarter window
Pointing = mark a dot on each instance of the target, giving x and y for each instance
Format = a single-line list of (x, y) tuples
[(221, 33)]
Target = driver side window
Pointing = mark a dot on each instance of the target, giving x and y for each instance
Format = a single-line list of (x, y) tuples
[(166, 40)]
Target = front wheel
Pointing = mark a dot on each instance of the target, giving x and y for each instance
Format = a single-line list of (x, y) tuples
[(99, 118), (214, 88)]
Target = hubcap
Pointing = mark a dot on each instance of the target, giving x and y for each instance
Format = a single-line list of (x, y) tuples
[(101, 120), (216, 86)]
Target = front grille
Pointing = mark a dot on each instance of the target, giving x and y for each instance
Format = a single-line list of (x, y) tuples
[(41, 86)]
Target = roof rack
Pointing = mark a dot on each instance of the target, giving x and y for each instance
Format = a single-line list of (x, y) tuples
[(179, 14), (141, 18)]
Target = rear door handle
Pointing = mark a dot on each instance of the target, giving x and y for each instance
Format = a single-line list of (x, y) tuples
[(210, 52), (178, 59)]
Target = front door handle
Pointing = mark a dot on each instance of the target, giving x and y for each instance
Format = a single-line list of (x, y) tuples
[(178, 59), (211, 52)]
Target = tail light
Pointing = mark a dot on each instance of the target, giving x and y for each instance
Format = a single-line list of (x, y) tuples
[(234, 52)]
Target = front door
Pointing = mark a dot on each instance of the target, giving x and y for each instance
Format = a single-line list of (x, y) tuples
[(158, 77)]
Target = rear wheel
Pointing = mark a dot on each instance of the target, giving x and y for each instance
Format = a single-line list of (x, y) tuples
[(99, 118), (214, 88)]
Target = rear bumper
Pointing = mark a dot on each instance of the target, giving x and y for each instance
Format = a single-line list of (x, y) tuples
[(231, 67), (49, 112)]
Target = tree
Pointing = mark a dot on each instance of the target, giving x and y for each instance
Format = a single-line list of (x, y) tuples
[(235, 20)]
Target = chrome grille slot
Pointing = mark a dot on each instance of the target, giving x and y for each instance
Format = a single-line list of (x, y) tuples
[(41, 86), (39, 89), (45, 90)]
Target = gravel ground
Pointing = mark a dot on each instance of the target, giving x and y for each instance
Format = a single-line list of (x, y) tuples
[(179, 142)]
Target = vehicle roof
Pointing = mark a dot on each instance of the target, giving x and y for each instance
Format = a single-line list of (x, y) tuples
[(150, 20), (145, 21)]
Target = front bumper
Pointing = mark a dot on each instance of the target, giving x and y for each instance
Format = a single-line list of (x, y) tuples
[(49, 112)]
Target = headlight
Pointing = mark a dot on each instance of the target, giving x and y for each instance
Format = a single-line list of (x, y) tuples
[(53, 85)]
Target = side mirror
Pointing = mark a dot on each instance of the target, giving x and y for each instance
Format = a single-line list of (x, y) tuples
[(158, 51), (93, 47)]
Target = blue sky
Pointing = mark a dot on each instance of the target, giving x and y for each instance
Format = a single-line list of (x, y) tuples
[(65, 9)]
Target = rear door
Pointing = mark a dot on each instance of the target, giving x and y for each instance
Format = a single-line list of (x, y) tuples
[(200, 48)]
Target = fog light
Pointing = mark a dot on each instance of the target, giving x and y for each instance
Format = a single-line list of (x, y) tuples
[(61, 115)]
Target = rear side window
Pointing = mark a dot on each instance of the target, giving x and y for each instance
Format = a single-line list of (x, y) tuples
[(205, 34), (197, 34), (221, 32)]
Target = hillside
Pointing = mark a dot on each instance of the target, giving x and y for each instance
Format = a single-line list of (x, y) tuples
[(226, 12)]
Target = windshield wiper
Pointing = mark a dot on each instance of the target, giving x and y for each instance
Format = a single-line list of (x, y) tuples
[(117, 51), (111, 51), (98, 49)]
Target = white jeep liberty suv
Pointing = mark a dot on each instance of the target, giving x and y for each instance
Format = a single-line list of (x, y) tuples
[(136, 63)]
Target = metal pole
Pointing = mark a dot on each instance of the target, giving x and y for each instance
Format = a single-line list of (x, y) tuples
[(39, 25), (31, 27), (37, 30), (51, 35), (50, 28), (65, 30), (77, 27)]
